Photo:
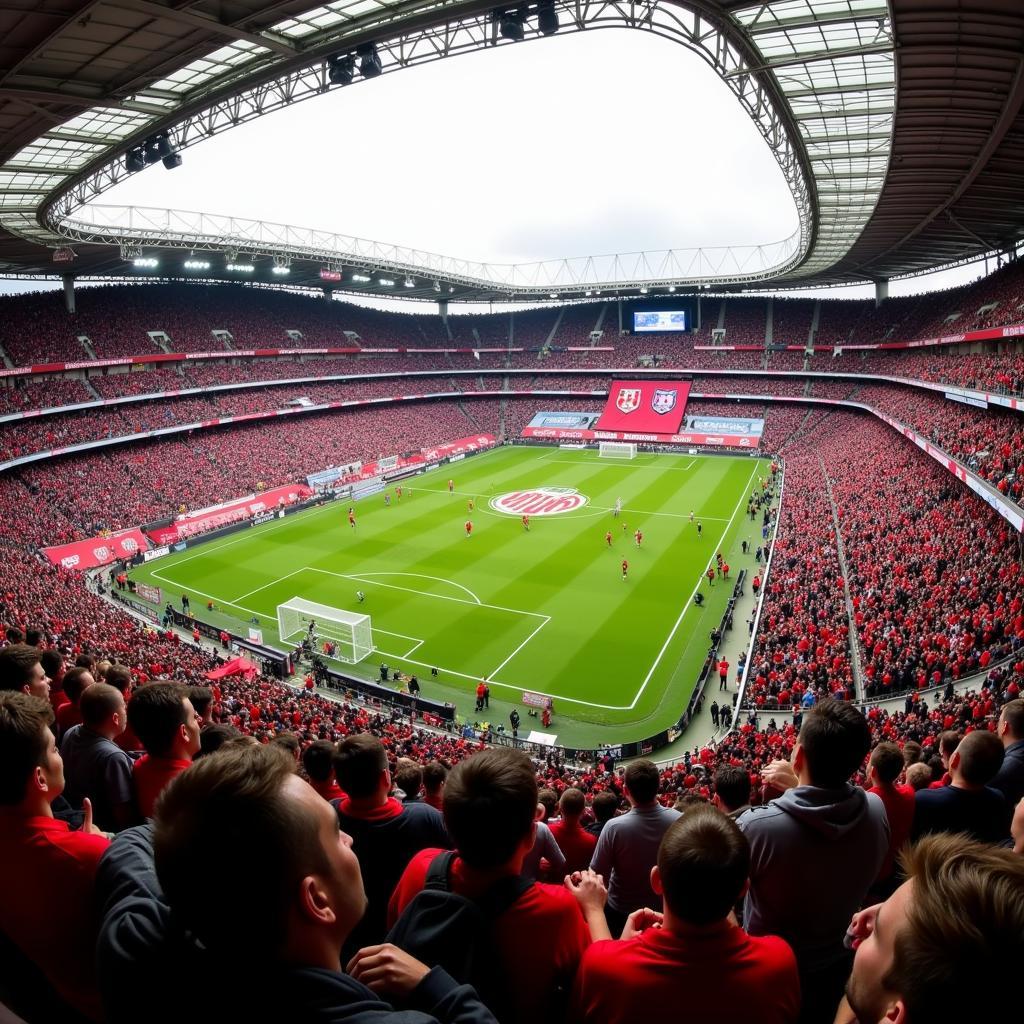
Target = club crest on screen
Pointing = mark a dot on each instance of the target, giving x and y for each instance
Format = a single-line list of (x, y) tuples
[(664, 400), (628, 400)]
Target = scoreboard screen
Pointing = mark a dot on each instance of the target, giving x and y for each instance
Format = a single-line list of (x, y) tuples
[(660, 321)]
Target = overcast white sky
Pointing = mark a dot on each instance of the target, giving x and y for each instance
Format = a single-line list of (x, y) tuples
[(580, 144)]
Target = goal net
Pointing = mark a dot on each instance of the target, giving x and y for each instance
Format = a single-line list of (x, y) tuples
[(350, 632), (616, 450)]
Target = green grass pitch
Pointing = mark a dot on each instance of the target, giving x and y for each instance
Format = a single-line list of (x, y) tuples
[(546, 610)]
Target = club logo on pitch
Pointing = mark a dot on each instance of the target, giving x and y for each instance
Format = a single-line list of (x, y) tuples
[(628, 400), (539, 501), (664, 400)]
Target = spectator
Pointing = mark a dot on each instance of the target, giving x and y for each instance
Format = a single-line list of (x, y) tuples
[(21, 669), (385, 832), (968, 804), (627, 848), (1009, 779), (53, 668), (212, 738), (409, 779), (959, 917), (490, 809), (919, 776), (821, 829), (575, 843), (290, 742), (310, 896), (434, 775), (76, 682), (318, 764), (46, 894), (120, 676), (545, 859), (94, 765), (691, 955), (884, 768), (732, 791), (605, 806), (949, 740), (165, 721), (202, 702)]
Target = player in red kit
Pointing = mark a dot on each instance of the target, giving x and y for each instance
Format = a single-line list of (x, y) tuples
[(469, 528), (398, 493), (638, 537), (526, 523), (352, 518), (608, 538), (625, 568)]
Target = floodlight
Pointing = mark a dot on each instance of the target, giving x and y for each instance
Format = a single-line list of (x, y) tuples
[(437, 286), (361, 278), (643, 291), (341, 70), (172, 161), (134, 160), (553, 295), (197, 265), (281, 270), (369, 61), (409, 283), (547, 18), (671, 287), (510, 25), (145, 263), (386, 282), (241, 268)]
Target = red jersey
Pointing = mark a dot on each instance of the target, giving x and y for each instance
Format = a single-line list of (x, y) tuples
[(724, 975), (469, 527), (625, 566), (541, 937), (575, 842), (46, 902), (608, 538), (899, 808), (151, 775)]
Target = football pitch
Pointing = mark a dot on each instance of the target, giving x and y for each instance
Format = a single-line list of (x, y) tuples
[(545, 610)]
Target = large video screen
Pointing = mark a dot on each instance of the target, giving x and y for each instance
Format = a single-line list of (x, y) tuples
[(660, 321)]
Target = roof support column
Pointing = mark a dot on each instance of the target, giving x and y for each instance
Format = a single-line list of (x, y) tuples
[(69, 291), (881, 292)]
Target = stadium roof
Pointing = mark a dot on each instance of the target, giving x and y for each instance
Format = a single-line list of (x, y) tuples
[(898, 127)]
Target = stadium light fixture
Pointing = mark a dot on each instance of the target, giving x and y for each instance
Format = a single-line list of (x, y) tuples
[(369, 61), (671, 287), (588, 292), (511, 24), (547, 18), (196, 265), (437, 286), (134, 160), (241, 268), (643, 291), (361, 278), (451, 288), (552, 295), (385, 282), (145, 263), (341, 70), (281, 270), (409, 283)]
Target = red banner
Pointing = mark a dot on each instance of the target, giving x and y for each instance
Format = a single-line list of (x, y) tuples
[(651, 406), (88, 554), (718, 440)]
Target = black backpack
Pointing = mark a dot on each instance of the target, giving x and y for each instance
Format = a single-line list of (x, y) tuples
[(443, 929)]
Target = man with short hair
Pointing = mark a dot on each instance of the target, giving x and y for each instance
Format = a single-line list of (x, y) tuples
[(278, 924), (46, 888), (605, 806), (202, 702), (627, 848), (576, 845), (946, 947), (822, 829), (884, 768), (21, 669), (732, 790), (968, 804), (318, 764), (1009, 779), (94, 765), (949, 740), (76, 682), (166, 723), (490, 810), (385, 832), (53, 665), (434, 775), (698, 958)]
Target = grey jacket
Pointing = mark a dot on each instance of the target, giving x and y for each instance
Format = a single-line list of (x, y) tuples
[(813, 854)]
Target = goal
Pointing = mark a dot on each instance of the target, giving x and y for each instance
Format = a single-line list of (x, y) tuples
[(350, 631), (616, 450)]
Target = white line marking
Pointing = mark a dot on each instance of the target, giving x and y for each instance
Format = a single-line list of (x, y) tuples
[(280, 579), (422, 576), (672, 632), (494, 672)]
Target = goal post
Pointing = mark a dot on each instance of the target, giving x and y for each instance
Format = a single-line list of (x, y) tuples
[(351, 632), (616, 450)]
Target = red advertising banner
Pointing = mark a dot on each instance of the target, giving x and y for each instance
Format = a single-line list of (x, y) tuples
[(718, 440), (651, 406), (88, 554)]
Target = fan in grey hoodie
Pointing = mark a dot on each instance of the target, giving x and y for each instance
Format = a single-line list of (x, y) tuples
[(815, 850)]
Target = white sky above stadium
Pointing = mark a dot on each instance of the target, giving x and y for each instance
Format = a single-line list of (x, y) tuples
[(581, 144)]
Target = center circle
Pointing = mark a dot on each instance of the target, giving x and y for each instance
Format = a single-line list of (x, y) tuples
[(539, 501)]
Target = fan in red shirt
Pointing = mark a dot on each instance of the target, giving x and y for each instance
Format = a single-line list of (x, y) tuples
[(573, 840), (490, 809), (884, 769), (46, 893), (692, 955), (76, 682), (165, 721)]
